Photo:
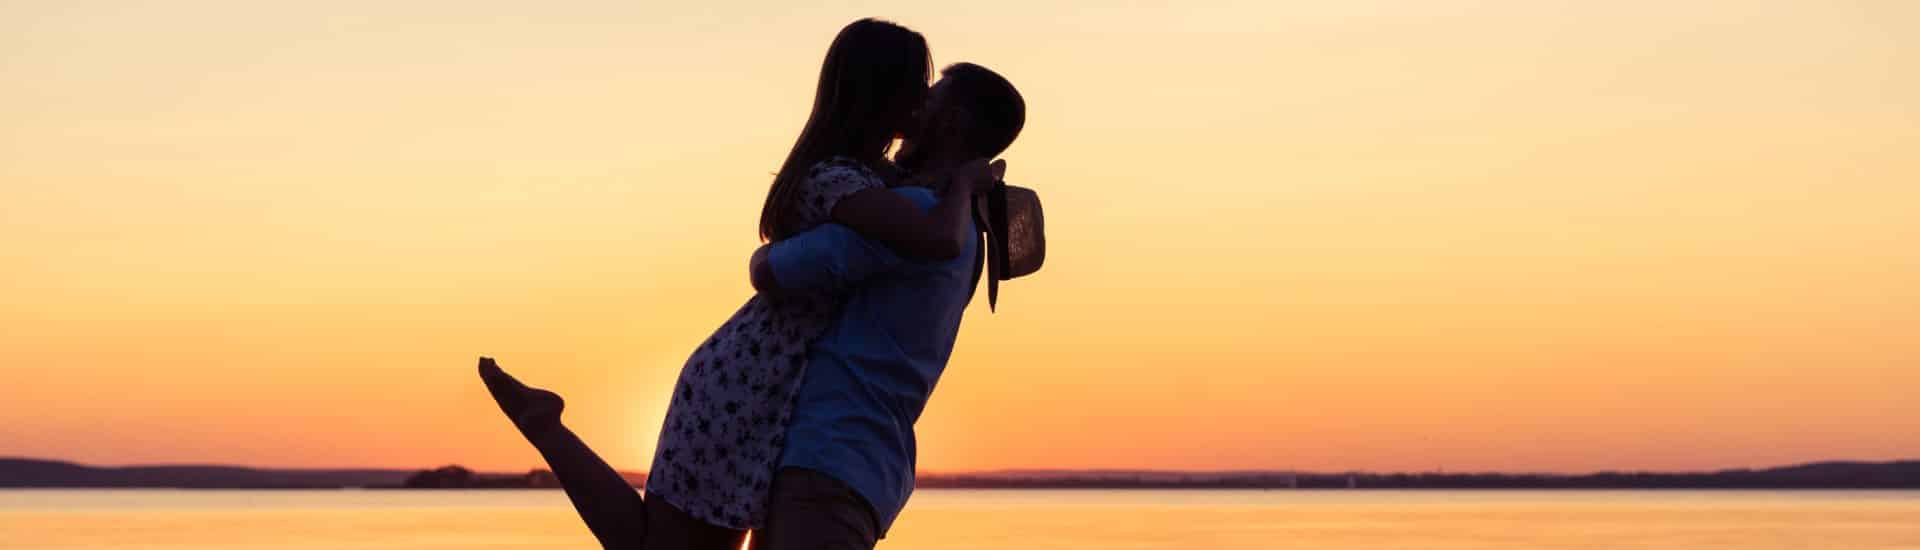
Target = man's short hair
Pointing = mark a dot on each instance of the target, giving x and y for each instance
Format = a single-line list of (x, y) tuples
[(997, 110)]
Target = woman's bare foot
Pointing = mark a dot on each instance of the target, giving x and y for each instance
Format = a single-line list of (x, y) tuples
[(532, 410)]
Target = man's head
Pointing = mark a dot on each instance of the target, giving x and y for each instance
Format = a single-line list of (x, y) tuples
[(970, 113)]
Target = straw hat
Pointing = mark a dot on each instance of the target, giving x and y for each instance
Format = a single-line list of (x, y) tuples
[(1016, 236)]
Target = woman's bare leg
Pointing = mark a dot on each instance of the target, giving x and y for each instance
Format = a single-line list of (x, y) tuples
[(612, 509)]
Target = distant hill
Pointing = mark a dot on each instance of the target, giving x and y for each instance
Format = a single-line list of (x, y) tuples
[(26, 472)]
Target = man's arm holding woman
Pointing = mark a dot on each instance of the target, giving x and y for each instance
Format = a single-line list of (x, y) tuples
[(827, 257)]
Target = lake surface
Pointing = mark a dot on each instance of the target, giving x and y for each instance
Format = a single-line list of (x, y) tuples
[(967, 519)]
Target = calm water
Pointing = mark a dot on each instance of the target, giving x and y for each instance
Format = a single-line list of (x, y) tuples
[(942, 520)]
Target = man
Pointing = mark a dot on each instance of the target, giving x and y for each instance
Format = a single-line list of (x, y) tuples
[(848, 467)]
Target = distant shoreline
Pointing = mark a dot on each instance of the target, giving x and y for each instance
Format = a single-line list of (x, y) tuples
[(53, 474)]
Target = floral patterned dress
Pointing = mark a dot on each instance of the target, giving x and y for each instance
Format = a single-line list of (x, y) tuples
[(728, 419)]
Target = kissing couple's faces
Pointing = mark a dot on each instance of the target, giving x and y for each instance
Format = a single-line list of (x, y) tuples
[(936, 124)]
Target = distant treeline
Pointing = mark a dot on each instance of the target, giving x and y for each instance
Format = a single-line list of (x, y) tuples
[(1827, 475), (459, 477), (17, 472)]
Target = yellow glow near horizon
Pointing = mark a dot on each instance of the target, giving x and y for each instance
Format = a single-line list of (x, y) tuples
[(1384, 235)]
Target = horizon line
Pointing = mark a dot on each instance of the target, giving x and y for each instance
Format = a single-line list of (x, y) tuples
[(1024, 471)]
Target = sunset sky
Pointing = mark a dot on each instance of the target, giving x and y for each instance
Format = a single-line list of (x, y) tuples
[(1391, 235)]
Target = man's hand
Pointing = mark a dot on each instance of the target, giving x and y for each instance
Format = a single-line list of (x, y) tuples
[(977, 176)]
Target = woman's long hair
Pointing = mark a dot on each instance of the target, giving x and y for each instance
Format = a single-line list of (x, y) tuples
[(873, 79)]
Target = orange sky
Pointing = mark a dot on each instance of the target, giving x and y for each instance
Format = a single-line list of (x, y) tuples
[(1510, 235)]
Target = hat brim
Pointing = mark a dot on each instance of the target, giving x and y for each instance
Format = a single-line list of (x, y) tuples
[(1026, 239)]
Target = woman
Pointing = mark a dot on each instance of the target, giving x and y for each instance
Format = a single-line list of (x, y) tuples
[(722, 437)]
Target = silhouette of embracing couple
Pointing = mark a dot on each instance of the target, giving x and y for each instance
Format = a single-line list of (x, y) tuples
[(795, 418)]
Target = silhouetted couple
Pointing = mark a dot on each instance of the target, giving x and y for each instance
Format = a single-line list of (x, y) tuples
[(795, 419)]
